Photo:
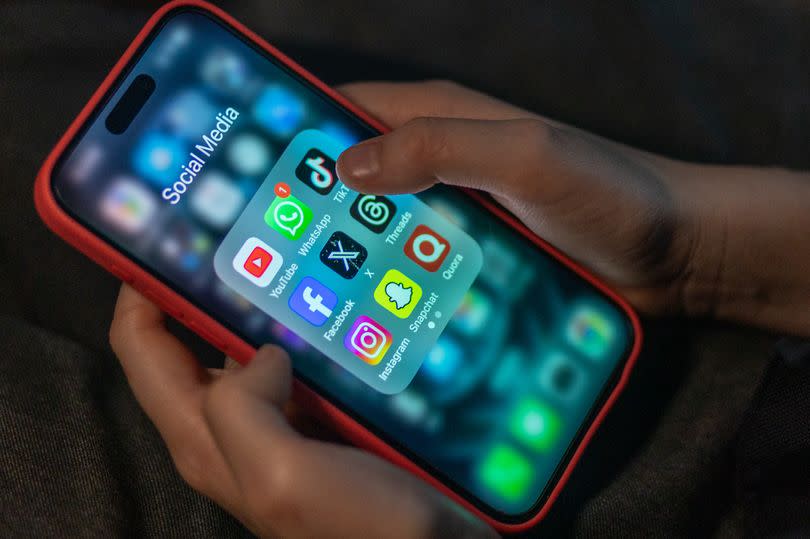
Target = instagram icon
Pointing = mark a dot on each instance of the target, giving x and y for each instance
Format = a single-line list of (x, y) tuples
[(368, 340)]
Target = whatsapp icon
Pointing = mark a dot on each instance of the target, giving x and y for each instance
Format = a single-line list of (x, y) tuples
[(289, 216)]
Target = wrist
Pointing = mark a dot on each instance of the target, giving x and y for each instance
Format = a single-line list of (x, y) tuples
[(750, 250)]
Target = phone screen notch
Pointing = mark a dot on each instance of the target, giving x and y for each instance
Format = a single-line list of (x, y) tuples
[(130, 104)]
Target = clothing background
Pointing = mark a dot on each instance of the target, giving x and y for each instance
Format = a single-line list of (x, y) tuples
[(708, 439)]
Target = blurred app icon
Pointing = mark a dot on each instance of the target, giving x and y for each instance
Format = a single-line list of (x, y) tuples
[(279, 110), (216, 200), (185, 246), (561, 377), (506, 472), (535, 424), (410, 406), (373, 212), (227, 295), (368, 340), (507, 368), (288, 216), (288, 337), (343, 255), (158, 158), (473, 313), (85, 161), (505, 271), (257, 262), (178, 37), (249, 154), (317, 171), (340, 133), (443, 360), (427, 248), (224, 72), (589, 331), (128, 206), (397, 293), (189, 114), (313, 301)]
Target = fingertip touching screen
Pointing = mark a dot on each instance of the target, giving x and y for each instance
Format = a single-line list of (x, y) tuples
[(424, 317)]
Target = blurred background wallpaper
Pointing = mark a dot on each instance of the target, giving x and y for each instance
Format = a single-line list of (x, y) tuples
[(722, 81)]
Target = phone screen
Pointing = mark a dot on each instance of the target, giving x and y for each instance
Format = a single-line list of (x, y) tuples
[(425, 317)]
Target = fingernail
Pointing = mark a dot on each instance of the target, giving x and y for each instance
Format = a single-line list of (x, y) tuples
[(360, 161)]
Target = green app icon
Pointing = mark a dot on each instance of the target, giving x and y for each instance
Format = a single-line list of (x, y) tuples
[(535, 424), (289, 216), (506, 472)]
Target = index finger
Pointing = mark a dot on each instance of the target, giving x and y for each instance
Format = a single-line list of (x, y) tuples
[(167, 380)]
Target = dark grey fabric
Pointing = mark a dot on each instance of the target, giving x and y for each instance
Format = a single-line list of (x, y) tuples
[(715, 81), (772, 453)]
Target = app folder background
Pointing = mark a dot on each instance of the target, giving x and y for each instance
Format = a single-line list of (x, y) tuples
[(360, 289)]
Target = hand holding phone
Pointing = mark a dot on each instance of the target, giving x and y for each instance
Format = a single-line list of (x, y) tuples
[(604, 204), (230, 440)]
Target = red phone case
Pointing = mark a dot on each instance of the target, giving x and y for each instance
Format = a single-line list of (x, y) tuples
[(198, 321)]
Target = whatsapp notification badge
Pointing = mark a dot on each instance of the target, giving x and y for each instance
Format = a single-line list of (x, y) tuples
[(288, 216)]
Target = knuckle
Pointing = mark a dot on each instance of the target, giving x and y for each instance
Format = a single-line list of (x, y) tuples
[(270, 494), (539, 134), (536, 148), (424, 140)]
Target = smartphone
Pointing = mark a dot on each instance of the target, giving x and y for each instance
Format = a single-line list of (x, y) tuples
[(433, 329)]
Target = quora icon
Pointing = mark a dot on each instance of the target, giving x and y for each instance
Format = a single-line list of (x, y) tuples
[(427, 248)]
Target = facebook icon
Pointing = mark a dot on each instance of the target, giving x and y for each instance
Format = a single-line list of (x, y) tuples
[(312, 301)]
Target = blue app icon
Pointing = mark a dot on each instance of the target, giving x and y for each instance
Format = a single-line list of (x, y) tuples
[(443, 360), (225, 72), (158, 158), (312, 301), (473, 314), (279, 110), (341, 134), (189, 114)]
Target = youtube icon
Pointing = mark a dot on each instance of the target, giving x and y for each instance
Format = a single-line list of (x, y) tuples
[(257, 262)]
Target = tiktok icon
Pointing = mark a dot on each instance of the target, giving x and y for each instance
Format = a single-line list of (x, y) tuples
[(317, 170), (312, 301)]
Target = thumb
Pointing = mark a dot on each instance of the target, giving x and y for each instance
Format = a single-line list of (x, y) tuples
[(604, 204), (495, 156), (253, 396)]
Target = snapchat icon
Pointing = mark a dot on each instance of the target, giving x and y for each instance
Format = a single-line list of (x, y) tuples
[(397, 293)]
